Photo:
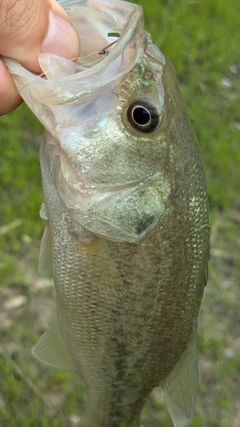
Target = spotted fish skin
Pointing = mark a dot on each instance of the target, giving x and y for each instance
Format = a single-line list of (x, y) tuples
[(126, 205)]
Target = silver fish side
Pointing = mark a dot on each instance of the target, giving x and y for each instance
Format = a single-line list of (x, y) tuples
[(126, 205)]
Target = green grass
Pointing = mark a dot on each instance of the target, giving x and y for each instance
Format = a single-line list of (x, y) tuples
[(201, 38)]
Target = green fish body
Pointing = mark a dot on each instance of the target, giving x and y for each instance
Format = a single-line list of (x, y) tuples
[(127, 237)]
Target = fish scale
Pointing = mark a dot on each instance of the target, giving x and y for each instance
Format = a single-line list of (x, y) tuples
[(127, 235)]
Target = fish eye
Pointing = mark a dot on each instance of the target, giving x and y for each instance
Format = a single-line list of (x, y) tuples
[(143, 116)]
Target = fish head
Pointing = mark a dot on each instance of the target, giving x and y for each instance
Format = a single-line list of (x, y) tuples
[(118, 135)]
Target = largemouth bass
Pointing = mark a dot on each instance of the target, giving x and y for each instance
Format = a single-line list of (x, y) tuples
[(127, 232)]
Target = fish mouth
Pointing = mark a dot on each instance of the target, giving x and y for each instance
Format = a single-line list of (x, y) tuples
[(67, 83), (99, 24), (103, 27), (109, 33)]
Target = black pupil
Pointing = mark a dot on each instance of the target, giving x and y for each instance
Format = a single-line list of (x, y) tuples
[(141, 116)]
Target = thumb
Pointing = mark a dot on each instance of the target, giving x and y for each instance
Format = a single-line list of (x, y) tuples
[(28, 28)]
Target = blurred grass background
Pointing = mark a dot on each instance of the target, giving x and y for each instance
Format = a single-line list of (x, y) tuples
[(201, 38)]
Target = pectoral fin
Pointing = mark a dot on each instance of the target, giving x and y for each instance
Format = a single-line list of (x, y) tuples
[(180, 386), (43, 212), (50, 349), (45, 257)]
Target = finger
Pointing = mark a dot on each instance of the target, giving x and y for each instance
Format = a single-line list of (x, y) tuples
[(29, 28), (26, 30), (9, 97)]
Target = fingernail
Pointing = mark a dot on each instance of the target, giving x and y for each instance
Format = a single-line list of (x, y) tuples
[(61, 38)]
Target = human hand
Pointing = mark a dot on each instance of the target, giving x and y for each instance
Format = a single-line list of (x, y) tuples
[(28, 28)]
